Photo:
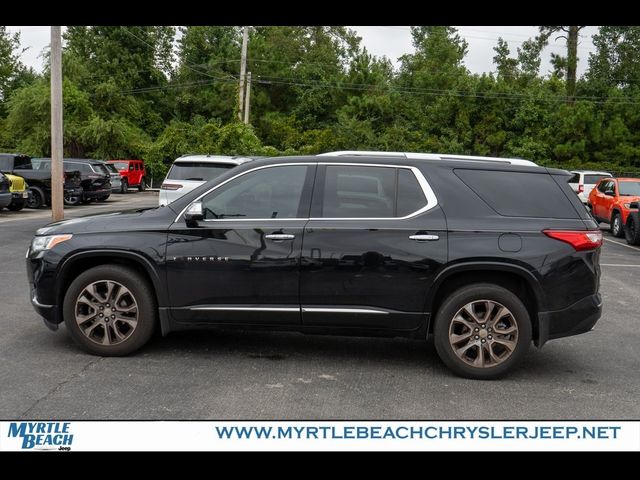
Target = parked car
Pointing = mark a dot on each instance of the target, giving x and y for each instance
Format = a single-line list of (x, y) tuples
[(132, 172), (583, 181), (409, 246), (95, 179), (191, 171), (19, 192), (5, 193), (611, 200), (116, 179), (39, 180)]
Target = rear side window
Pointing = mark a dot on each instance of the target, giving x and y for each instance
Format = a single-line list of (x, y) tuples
[(410, 195), (353, 191), (199, 171), (593, 179), (519, 194)]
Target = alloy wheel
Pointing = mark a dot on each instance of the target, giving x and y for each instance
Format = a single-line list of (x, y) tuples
[(106, 312), (483, 333)]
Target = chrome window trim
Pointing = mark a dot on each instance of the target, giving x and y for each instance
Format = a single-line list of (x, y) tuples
[(432, 200)]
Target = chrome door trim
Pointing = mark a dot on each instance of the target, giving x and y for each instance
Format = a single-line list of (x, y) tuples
[(429, 194), (343, 310)]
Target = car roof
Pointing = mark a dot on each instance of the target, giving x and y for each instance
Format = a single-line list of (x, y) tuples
[(628, 179), (235, 160), (122, 160), (76, 160)]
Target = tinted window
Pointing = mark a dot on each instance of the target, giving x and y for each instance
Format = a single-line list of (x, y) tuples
[(593, 179), (410, 195), (629, 188), (202, 171), (359, 192), (6, 162), (110, 168), (100, 168), (575, 178), (504, 192), (267, 193), (68, 166), (602, 186)]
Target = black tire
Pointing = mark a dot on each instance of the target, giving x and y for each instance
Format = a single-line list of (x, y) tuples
[(16, 205), (145, 299), (632, 229), (124, 186), (36, 198), (142, 187), (87, 201), (617, 229), (477, 292), (102, 199)]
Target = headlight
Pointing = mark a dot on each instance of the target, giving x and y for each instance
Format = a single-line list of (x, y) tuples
[(627, 205), (47, 242)]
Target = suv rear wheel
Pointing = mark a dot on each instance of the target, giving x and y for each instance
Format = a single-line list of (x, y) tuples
[(482, 331), (616, 225), (110, 310)]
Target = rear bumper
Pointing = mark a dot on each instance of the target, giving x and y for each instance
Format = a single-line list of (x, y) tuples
[(96, 193), (573, 320)]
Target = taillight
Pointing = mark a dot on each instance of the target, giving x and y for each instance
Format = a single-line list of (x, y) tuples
[(170, 186), (580, 188), (580, 240)]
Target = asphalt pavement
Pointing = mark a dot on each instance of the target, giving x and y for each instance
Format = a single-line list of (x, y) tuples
[(222, 374)]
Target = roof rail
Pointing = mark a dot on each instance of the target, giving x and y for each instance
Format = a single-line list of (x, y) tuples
[(430, 156)]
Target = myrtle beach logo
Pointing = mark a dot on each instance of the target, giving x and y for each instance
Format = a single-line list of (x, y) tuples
[(42, 435)]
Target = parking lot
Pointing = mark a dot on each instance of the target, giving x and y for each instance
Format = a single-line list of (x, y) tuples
[(222, 374)]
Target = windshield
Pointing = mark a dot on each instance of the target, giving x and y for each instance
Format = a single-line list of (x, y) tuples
[(120, 165), (629, 188), (199, 171)]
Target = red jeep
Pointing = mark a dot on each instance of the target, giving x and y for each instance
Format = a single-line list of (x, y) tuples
[(132, 173)]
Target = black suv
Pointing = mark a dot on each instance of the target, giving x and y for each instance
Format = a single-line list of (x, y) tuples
[(398, 245), (94, 178)]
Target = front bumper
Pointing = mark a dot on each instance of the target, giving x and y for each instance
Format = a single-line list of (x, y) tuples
[(573, 320), (49, 313), (17, 196), (73, 192)]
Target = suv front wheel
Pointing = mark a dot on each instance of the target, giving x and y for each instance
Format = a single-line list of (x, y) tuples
[(110, 310), (616, 225), (482, 331)]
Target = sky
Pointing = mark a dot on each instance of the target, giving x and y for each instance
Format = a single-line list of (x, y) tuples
[(390, 41)]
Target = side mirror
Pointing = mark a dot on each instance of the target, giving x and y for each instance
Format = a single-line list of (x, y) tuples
[(634, 205), (194, 214)]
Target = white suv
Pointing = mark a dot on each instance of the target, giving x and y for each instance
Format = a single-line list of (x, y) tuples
[(191, 171), (583, 181)]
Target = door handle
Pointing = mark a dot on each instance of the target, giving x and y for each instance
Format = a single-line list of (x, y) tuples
[(279, 236), (424, 238)]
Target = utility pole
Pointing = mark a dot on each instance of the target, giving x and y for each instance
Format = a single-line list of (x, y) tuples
[(57, 171), (572, 61), (243, 69), (247, 102)]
